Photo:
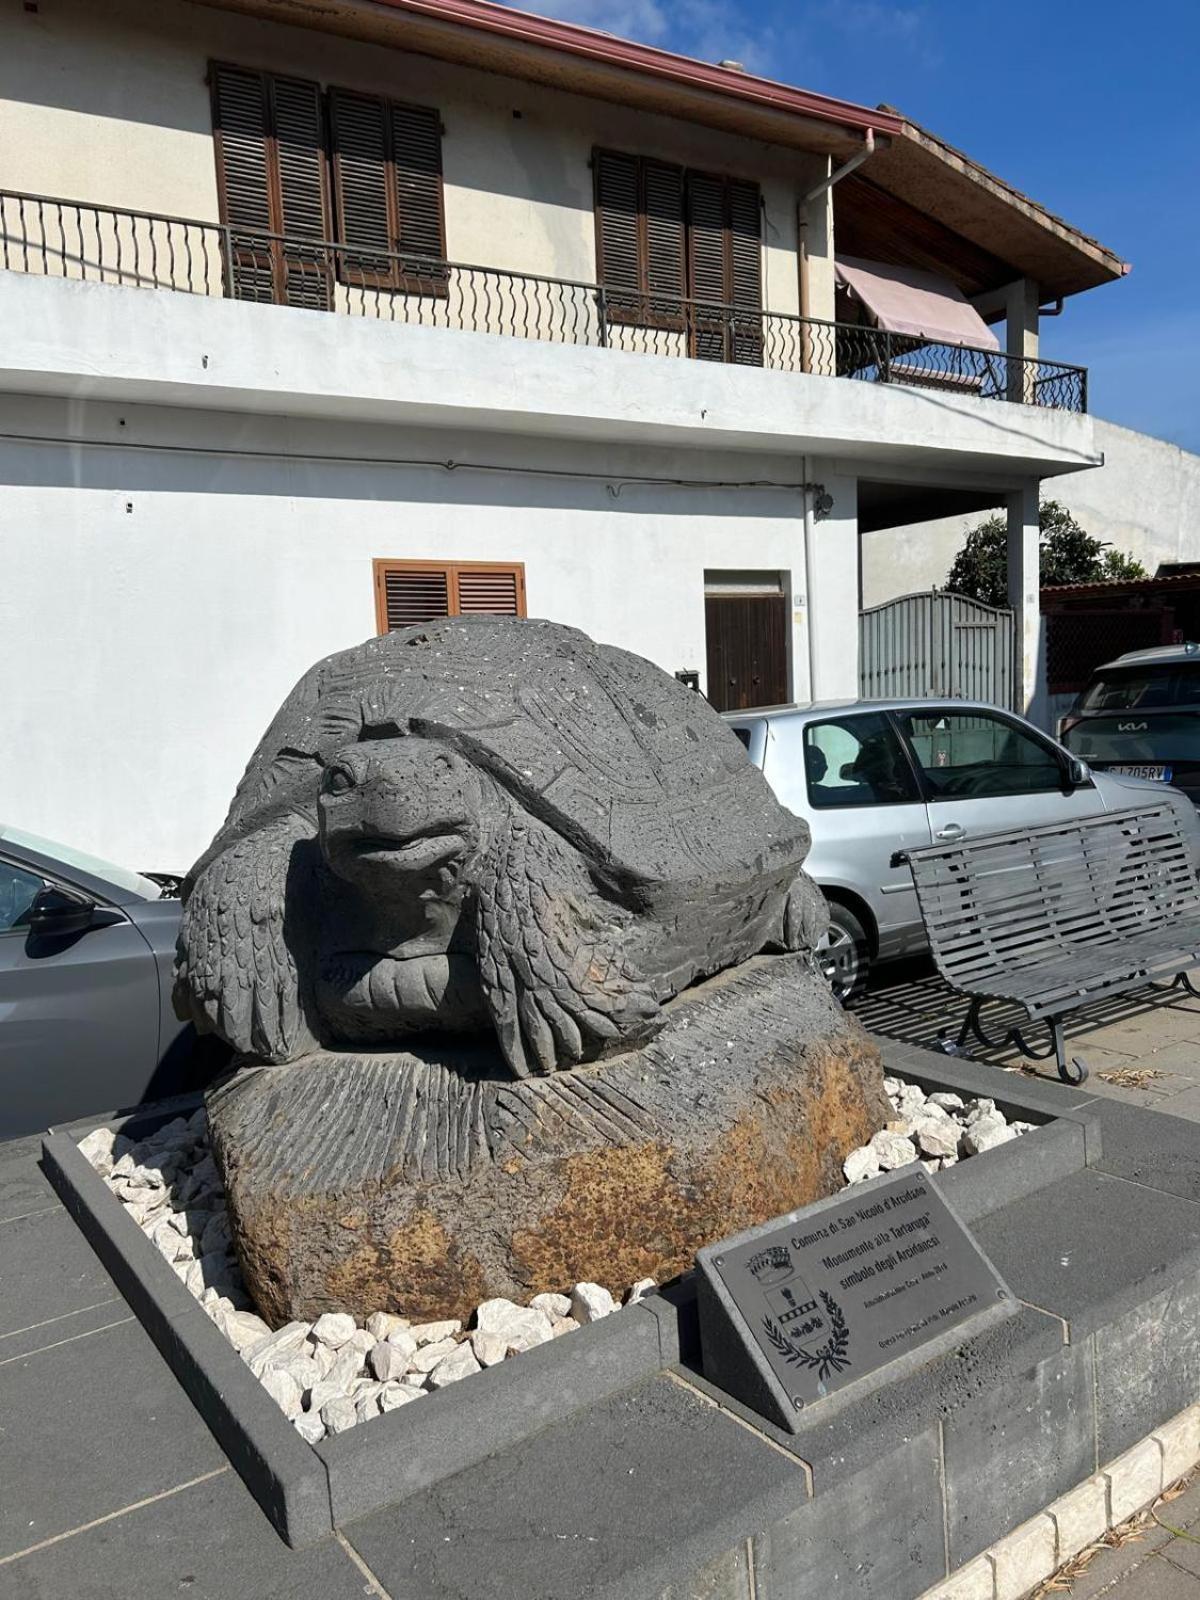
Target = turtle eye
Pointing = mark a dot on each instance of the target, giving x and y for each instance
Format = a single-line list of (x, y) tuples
[(338, 781)]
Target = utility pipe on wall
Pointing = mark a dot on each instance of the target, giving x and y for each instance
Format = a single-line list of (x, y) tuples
[(847, 167), (810, 610)]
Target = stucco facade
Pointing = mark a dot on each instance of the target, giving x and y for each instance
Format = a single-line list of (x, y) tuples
[(110, 104)]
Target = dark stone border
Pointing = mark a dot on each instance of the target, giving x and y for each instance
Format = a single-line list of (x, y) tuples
[(306, 1491)]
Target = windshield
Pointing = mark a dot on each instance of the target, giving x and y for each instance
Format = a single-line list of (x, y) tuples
[(1148, 688), (119, 877), (1136, 739)]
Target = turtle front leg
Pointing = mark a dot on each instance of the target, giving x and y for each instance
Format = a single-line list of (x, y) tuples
[(552, 963)]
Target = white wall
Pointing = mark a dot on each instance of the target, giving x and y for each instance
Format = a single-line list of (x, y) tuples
[(1144, 500), (167, 582)]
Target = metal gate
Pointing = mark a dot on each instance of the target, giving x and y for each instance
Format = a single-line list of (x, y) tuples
[(936, 644)]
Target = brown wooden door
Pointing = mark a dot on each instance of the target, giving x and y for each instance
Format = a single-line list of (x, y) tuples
[(746, 637)]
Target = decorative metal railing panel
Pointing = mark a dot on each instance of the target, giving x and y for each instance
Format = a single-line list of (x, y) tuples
[(60, 238)]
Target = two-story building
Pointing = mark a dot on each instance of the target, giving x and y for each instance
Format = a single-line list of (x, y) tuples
[(324, 318)]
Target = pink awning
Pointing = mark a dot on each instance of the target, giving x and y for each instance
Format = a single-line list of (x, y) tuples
[(906, 300)]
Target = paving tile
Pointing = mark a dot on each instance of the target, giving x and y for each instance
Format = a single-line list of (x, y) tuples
[(47, 1267), (582, 1508), (50, 1332), (1154, 1148), (1126, 1573), (1186, 1104), (208, 1542), (23, 1185), (91, 1426)]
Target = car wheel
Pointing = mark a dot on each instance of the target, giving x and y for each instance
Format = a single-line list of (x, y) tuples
[(844, 953)]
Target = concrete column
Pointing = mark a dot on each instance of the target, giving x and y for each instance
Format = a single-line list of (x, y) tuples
[(833, 569), (1021, 320), (1023, 591)]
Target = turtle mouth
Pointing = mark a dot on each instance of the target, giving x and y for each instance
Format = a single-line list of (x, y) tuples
[(418, 852)]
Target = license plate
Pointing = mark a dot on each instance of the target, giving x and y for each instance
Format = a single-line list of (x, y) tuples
[(1153, 774)]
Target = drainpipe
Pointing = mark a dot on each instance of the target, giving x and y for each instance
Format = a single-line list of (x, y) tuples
[(847, 167)]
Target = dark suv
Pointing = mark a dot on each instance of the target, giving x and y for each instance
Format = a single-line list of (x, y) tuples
[(1140, 715)]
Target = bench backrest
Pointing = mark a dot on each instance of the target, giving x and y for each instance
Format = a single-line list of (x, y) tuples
[(1026, 896)]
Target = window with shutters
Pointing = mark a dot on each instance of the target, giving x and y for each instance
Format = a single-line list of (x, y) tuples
[(272, 182), (408, 593), (387, 183), (663, 232)]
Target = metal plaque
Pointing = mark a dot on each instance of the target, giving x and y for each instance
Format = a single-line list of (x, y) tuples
[(805, 1306)]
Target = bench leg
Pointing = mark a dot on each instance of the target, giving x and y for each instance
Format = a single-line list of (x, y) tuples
[(970, 1022), (1071, 1071)]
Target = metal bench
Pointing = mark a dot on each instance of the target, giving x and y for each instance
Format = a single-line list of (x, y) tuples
[(1055, 917)]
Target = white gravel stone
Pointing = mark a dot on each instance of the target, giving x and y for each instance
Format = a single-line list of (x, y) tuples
[(366, 1407), (861, 1164), (554, 1305), (309, 1426), (334, 1328), (394, 1395), (521, 1327), (428, 1356), (402, 1340), (590, 1302), (434, 1332), (339, 1415), (283, 1389), (244, 1328), (98, 1148), (892, 1086), (290, 1337), (937, 1135), (893, 1150), (216, 1235), (382, 1324), (947, 1101), (490, 1349), (637, 1291), (387, 1362), (460, 1363), (563, 1325), (986, 1133), (983, 1107)]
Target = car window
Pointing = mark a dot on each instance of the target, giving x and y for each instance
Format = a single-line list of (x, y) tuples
[(1175, 683), (968, 755), (79, 860), (857, 761), (18, 890)]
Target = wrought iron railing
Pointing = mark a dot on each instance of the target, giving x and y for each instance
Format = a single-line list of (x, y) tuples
[(70, 239)]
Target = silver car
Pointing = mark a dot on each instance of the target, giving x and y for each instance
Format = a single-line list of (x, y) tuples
[(86, 1023), (874, 777)]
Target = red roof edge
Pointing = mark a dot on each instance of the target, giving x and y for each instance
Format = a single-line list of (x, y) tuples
[(569, 38)]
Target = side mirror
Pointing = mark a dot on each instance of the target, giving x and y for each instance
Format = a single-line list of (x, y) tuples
[(58, 913), (1077, 773)]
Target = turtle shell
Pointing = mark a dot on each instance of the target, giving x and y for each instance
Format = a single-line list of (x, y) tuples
[(636, 770)]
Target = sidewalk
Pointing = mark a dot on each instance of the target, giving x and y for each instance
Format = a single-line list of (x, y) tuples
[(1145, 1054), (1152, 1563)]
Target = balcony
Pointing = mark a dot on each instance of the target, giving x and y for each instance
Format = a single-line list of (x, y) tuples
[(49, 237)]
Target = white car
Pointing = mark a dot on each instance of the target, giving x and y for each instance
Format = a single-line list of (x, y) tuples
[(874, 777)]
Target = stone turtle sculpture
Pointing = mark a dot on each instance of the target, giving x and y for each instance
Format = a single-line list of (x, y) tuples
[(485, 822)]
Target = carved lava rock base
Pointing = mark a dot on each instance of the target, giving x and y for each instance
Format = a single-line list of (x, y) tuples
[(425, 1181)]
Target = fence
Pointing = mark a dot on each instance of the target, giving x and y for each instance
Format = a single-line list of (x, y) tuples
[(936, 644), (51, 237)]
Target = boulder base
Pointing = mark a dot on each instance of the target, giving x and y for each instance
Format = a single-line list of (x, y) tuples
[(427, 1181)]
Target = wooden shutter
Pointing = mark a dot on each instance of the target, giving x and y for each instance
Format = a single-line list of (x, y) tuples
[(269, 139), (725, 266), (387, 174), (663, 241), (304, 213), (707, 275), (417, 167), (409, 593), (241, 135), (745, 272), (618, 250)]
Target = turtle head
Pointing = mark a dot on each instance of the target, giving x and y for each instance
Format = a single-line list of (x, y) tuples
[(403, 815)]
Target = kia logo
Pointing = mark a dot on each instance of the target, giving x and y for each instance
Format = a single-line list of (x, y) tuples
[(1132, 727)]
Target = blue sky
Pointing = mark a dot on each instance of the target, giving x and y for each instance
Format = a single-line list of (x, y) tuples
[(1086, 105)]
